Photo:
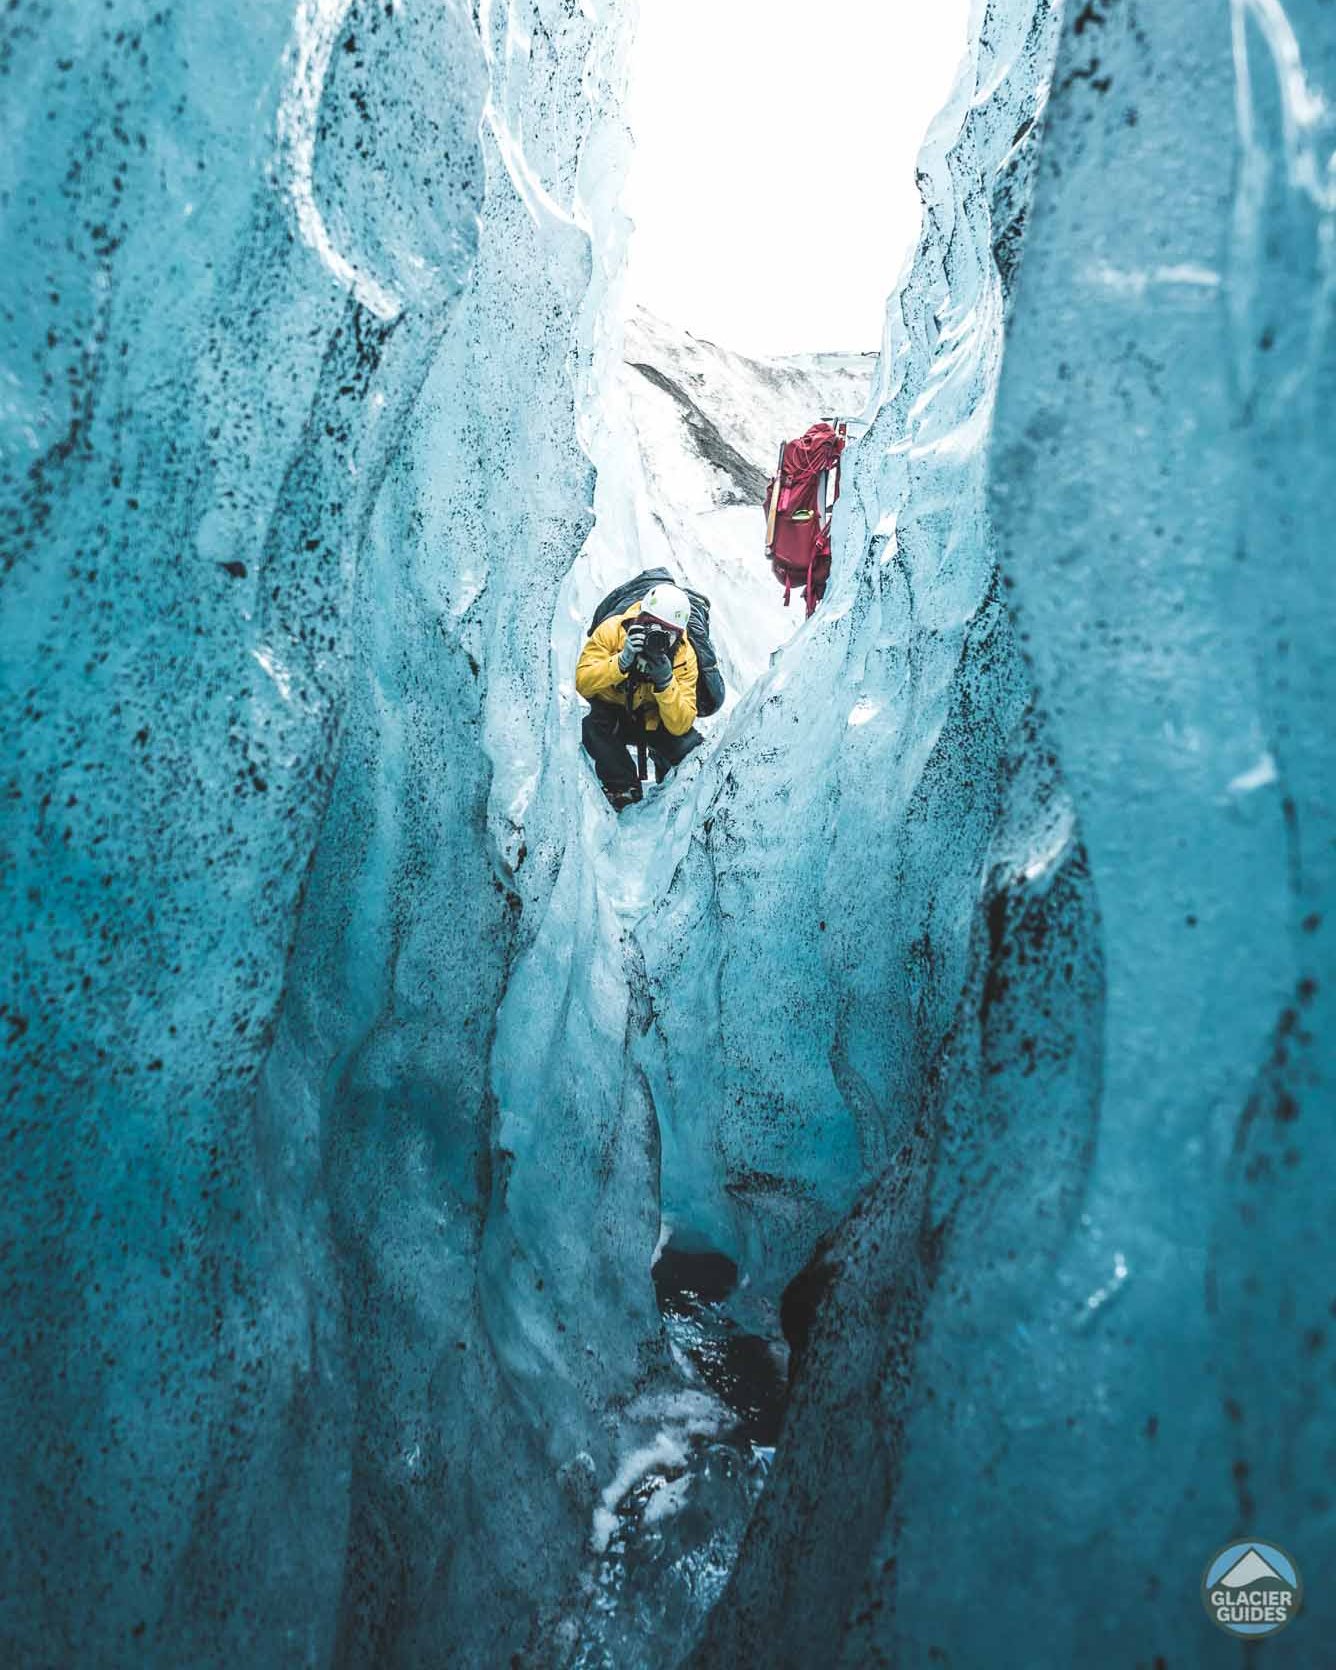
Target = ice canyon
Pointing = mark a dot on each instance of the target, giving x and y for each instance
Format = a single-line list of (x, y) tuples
[(966, 999)]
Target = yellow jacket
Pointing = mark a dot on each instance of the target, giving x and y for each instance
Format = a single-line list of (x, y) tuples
[(597, 675)]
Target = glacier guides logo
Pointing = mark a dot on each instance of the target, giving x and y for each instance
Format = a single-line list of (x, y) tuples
[(1251, 1588)]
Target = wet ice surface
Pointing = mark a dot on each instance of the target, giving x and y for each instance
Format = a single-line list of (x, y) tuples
[(670, 1558), (672, 1536), (746, 1371)]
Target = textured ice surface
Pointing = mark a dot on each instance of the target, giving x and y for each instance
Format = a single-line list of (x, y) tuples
[(1078, 1333), (224, 291), (274, 499), (1163, 453)]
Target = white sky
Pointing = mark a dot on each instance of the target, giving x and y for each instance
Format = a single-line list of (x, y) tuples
[(773, 180)]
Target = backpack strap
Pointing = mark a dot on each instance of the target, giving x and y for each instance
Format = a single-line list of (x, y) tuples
[(776, 488)]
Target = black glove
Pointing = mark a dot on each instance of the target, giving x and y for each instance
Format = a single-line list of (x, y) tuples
[(659, 669), (635, 642)]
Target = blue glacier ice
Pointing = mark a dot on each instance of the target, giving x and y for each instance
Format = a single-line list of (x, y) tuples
[(966, 995), (275, 735), (1076, 1334)]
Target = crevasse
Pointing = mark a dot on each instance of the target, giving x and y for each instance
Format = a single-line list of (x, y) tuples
[(968, 992)]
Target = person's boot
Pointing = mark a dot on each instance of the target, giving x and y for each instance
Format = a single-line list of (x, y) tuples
[(620, 799)]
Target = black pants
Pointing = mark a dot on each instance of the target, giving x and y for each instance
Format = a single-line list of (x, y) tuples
[(608, 732)]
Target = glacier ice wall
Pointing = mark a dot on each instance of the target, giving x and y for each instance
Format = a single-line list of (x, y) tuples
[(1161, 454), (285, 520), (1076, 1334), (223, 295), (455, 1197)]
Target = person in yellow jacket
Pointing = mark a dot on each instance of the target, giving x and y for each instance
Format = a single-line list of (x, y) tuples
[(638, 674)]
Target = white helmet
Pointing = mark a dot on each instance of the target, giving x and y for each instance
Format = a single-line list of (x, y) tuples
[(668, 605)]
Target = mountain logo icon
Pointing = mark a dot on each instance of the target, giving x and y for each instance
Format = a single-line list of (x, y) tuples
[(1250, 1569), (1251, 1588)]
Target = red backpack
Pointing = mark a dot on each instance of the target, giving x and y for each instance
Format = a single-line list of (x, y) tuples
[(799, 502)]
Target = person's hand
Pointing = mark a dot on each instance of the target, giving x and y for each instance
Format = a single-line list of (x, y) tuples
[(635, 642), (659, 669)]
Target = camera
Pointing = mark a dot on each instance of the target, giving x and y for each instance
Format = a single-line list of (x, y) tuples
[(658, 641)]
